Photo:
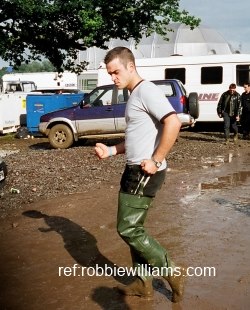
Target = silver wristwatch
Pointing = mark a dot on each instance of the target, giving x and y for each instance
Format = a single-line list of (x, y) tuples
[(157, 163)]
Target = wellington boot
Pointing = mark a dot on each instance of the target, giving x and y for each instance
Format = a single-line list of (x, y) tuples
[(235, 138), (176, 283), (138, 288)]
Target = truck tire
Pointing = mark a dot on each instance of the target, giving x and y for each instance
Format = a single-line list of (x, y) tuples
[(60, 136), (193, 103)]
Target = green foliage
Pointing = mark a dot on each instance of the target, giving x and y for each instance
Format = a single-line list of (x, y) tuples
[(2, 72), (36, 66), (57, 29)]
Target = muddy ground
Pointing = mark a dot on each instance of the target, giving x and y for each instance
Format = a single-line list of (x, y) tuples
[(65, 214)]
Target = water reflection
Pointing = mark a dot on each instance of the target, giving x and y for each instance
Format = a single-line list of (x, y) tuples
[(234, 179)]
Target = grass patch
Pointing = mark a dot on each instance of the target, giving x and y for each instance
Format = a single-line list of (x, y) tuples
[(8, 137)]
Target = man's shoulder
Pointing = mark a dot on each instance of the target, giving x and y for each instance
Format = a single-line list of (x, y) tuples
[(148, 87), (146, 83), (223, 95)]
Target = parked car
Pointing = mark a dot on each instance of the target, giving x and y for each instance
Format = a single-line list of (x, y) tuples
[(3, 172), (102, 112)]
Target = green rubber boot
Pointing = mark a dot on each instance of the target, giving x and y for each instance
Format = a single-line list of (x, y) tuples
[(176, 282), (132, 212), (235, 138), (146, 252)]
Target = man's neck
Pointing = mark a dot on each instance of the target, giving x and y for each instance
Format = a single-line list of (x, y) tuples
[(137, 80)]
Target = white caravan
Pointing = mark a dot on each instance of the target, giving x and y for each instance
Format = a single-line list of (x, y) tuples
[(45, 80), (86, 81), (209, 76), (13, 104)]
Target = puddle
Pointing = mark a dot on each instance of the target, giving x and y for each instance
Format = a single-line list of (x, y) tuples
[(234, 179), (231, 181), (217, 160), (216, 184)]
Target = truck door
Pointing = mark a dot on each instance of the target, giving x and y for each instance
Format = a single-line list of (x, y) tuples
[(96, 114), (121, 98)]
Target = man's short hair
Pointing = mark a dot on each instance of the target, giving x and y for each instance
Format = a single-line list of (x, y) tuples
[(232, 86), (123, 53)]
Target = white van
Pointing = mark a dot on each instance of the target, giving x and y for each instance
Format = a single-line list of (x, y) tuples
[(209, 76), (45, 80), (13, 104)]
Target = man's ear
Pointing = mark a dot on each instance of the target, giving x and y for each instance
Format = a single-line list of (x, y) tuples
[(130, 66)]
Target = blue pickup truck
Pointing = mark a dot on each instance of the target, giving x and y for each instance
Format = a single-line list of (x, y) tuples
[(102, 112)]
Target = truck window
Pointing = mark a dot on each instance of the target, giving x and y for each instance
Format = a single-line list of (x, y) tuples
[(100, 97), (122, 95), (242, 74), (167, 89), (176, 73), (211, 75), (27, 87)]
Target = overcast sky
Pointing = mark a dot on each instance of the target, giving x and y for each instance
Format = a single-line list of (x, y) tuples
[(229, 17)]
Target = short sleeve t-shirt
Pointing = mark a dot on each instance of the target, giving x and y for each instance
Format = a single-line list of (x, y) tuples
[(146, 107)]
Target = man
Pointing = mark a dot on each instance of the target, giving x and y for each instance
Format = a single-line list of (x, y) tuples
[(245, 117), (229, 107), (152, 128)]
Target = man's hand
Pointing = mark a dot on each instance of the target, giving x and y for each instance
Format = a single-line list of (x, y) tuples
[(102, 150), (148, 166)]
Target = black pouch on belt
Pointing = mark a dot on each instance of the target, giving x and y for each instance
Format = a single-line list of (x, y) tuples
[(135, 182)]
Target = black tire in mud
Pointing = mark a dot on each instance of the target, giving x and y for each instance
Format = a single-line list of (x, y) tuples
[(61, 136)]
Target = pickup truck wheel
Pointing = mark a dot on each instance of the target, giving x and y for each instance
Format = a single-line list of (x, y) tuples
[(61, 136), (193, 102)]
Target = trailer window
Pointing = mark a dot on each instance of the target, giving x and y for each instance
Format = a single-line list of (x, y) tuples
[(211, 75), (242, 74), (87, 84), (176, 73)]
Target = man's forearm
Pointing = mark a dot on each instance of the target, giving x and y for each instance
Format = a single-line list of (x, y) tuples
[(118, 148), (171, 128)]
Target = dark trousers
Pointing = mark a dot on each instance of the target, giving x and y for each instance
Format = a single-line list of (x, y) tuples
[(229, 122), (245, 122)]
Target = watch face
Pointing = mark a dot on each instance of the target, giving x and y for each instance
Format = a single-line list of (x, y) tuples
[(158, 164)]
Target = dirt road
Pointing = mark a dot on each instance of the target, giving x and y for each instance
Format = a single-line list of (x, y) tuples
[(202, 215)]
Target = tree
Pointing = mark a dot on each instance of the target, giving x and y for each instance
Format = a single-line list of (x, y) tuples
[(56, 30), (36, 66)]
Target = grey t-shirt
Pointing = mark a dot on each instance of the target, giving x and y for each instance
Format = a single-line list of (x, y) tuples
[(146, 106)]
